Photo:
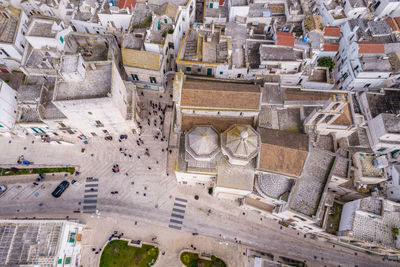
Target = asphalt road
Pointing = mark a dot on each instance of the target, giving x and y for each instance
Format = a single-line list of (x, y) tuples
[(266, 237)]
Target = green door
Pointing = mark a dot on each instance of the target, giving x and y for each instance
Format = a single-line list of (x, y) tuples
[(209, 72), (211, 5)]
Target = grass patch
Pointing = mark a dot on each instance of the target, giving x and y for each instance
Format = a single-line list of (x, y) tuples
[(334, 219), (117, 253), (190, 259), (145, 23), (17, 171)]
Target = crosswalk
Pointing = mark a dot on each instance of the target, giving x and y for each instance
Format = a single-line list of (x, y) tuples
[(90, 196), (178, 213)]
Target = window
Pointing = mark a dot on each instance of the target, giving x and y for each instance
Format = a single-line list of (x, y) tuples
[(381, 149), (165, 21), (153, 80), (62, 124), (90, 113), (221, 72), (94, 134), (99, 124), (367, 85), (211, 5), (188, 68), (199, 70), (135, 77), (209, 72), (183, 18), (61, 39)]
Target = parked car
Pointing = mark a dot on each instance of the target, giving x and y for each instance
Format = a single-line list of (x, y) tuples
[(3, 188), (60, 189)]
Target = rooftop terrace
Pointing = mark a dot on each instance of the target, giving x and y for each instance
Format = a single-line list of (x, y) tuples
[(41, 28), (9, 24), (97, 84), (91, 47), (279, 53), (387, 103)]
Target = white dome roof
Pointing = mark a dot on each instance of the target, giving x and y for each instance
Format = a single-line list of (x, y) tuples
[(202, 142), (241, 142)]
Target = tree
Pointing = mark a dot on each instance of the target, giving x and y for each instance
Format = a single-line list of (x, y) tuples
[(326, 62)]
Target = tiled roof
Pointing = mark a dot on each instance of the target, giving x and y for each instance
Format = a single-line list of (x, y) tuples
[(140, 59), (371, 48), (331, 47), (393, 23), (126, 4), (332, 31), (285, 39), (283, 152), (220, 95)]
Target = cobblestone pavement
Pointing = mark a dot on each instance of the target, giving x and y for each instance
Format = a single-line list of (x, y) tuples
[(147, 191)]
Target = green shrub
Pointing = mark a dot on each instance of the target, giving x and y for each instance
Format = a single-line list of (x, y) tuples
[(326, 62)]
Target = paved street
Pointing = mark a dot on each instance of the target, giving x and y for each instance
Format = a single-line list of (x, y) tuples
[(150, 195)]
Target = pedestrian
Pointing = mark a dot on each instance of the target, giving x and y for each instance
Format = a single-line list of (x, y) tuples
[(149, 113), (157, 161), (138, 157), (162, 150), (130, 155), (120, 149), (149, 168), (142, 93), (151, 103)]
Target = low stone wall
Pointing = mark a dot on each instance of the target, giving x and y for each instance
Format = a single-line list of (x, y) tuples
[(194, 252)]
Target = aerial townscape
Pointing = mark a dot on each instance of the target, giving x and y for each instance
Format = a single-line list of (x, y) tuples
[(199, 133)]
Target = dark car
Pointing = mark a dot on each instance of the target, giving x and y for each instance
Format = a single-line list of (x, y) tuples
[(60, 189)]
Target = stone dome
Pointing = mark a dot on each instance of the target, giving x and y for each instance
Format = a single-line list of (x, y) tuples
[(240, 143), (202, 142)]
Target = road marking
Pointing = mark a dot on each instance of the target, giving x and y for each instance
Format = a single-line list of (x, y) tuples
[(90, 201), (178, 210), (8, 190), (88, 191), (176, 227), (180, 199), (34, 191), (179, 205), (26, 187), (89, 207), (175, 221), (89, 196), (177, 215), (91, 185)]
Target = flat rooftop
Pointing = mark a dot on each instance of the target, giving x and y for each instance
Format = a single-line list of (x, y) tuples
[(375, 63), (38, 58), (29, 93), (97, 84), (387, 103), (134, 40), (235, 177), (220, 12), (279, 53), (91, 47), (392, 123), (9, 24), (41, 28)]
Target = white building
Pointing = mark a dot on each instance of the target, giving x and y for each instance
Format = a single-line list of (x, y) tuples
[(40, 243), (386, 8), (384, 133), (8, 107), (96, 100), (393, 187), (371, 223), (12, 41)]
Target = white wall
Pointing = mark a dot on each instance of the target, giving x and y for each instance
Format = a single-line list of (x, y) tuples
[(8, 106), (120, 21)]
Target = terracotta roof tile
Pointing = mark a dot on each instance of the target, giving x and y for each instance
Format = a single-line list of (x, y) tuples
[(285, 39), (331, 47), (397, 19), (332, 31), (283, 152), (220, 95), (126, 4), (393, 24), (371, 48)]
